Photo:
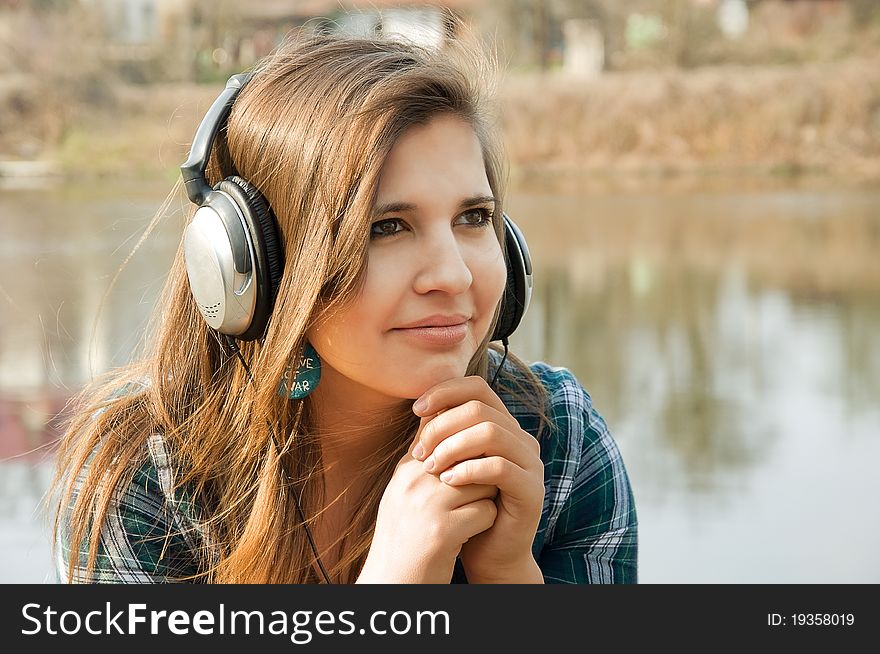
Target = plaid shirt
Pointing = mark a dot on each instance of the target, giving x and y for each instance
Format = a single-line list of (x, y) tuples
[(587, 532)]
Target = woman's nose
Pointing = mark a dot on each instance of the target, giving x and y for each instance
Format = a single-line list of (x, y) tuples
[(442, 266)]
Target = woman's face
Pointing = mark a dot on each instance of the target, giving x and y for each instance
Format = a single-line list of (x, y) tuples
[(433, 253)]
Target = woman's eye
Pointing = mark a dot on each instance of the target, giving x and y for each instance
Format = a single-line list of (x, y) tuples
[(477, 217), (392, 226), (383, 228)]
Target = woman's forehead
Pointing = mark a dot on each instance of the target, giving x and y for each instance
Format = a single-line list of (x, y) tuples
[(441, 158)]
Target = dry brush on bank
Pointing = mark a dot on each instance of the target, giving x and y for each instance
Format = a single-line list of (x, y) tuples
[(819, 118)]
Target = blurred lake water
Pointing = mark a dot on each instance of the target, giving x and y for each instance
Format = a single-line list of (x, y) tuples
[(730, 338)]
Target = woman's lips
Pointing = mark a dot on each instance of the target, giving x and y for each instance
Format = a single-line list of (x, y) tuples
[(446, 336)]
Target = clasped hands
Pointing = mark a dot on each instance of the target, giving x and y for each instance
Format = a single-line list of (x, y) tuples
[(467, 436)]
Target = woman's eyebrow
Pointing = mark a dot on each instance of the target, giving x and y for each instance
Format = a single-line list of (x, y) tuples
[(391, 207)]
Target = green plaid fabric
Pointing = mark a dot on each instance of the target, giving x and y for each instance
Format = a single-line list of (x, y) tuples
[(151, 533), (587, 533)]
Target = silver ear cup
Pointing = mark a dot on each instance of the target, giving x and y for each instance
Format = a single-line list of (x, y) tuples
[(218, 258)]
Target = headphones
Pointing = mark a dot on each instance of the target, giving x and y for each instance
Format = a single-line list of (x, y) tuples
[(233, 254)]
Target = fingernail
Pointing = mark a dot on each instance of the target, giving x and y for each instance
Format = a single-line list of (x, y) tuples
[(419, 451), (420, 405), (447, 476), (429, 464)]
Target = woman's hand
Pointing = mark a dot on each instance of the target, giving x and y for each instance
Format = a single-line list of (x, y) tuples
[(468, 433), (422, 524)]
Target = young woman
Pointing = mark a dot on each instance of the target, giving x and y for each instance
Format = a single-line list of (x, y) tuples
[(320, 402)]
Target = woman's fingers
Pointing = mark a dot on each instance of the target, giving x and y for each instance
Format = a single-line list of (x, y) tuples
[(461, 496), (512, 481), (455, 392), (474, 518), (485, 439), (441, 426)]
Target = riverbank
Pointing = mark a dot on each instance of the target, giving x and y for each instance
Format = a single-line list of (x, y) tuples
[(819, 121), (754, 124)]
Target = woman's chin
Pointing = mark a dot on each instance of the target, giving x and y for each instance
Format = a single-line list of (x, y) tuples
[(419, 383)]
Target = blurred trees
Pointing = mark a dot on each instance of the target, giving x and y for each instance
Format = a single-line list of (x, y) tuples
[(51, 71), (64, 62), (865, 12), (641, 34)]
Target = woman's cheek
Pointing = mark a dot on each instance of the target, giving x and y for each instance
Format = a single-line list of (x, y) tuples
[(492, 275)]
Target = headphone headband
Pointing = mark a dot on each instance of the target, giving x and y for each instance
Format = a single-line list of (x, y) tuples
[(193, 169)]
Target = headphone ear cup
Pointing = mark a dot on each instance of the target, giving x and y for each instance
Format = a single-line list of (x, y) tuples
[(268, 254), (507, 316), (517, 291)]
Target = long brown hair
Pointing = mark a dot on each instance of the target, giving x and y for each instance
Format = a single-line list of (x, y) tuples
[(311, 130)]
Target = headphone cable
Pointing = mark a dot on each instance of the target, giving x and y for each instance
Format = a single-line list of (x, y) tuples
[(503, 359), (234, 347)]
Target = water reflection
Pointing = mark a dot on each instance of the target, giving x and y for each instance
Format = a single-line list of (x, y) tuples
[(63, 249), (733, 344), (24, 525), (730, 340)]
